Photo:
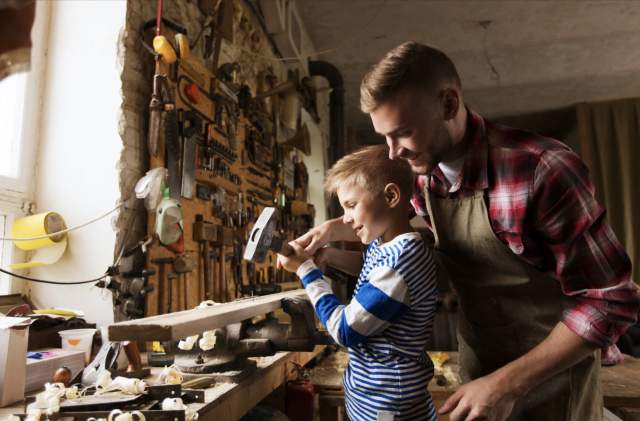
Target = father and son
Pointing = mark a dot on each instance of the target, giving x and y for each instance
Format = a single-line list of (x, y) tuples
[(544, 286)]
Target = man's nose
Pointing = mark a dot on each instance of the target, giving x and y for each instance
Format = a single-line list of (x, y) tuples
[(346, 219), (393, 148)]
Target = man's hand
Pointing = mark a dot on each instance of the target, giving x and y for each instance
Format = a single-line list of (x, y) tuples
[(320, 236), (485, 398), (315, 238), (292, 263)]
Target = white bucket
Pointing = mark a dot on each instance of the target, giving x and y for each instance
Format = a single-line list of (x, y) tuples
[(78, 340)]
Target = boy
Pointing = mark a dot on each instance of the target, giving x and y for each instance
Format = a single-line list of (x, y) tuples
[(389, 319)]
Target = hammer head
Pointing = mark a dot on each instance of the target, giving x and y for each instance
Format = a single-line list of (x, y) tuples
[(261, 236)]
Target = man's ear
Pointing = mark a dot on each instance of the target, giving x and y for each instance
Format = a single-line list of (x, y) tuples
[(450, 102), (392, 195)]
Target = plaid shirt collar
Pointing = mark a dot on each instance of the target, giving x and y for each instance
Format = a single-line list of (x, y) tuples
[(473, 176)]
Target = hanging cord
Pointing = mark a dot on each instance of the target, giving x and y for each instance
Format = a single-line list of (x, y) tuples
[(64, 231), (158, 16), (43, 281), (88, 281)]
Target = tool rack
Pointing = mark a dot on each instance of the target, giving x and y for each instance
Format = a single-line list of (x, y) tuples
[(218, 145)]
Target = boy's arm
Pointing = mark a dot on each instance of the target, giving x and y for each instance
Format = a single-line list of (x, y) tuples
[(377, 304)]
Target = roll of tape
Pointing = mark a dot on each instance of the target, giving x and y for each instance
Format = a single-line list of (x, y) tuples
[(35, 226), (49, 249)]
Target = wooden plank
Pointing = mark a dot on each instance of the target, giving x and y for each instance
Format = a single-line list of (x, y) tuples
[(181, 324)]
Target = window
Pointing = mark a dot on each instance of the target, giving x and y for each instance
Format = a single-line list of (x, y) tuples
[(20, 99), (12, 92)]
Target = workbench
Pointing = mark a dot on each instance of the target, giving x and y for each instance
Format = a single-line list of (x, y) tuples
[(620, 385), (230, 401)]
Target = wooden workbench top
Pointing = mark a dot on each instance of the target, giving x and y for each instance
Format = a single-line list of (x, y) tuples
[(620, 383), (230, 401)]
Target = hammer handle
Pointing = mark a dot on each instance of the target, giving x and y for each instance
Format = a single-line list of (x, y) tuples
[(281, 247)]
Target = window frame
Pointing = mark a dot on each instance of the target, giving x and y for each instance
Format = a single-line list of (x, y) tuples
[(16, 193)]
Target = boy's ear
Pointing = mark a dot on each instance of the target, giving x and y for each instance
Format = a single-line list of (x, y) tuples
[(392, 195)]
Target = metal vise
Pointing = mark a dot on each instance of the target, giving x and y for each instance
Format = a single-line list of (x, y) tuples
[(237, 341)]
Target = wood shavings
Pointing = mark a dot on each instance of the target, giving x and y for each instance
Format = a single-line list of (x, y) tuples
[(47, 402), (132, 386), (170, 375), (208, 340), (188, 343), (176, 404)]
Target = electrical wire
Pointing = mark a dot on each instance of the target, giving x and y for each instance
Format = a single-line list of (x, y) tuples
[(43, 281), (64, 231)]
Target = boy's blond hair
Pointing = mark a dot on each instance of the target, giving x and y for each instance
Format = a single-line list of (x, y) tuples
[(408, 66), (371, 168)]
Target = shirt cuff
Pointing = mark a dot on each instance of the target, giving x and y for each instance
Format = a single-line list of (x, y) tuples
[(305, 268), (589, 324)]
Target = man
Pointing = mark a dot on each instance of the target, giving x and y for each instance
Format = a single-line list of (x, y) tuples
[(543, 283)]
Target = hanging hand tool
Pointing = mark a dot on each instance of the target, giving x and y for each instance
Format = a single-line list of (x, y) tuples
[(163, 284), (156, 107), (162, 51), (172, 140), (260, 186), (260, 195), (225, 238), (192, 135), (259, 173), (205, 233)]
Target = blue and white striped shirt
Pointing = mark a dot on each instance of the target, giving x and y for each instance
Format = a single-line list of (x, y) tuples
[(385, 326)]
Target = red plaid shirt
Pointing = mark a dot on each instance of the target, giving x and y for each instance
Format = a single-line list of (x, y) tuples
[(541, 204)]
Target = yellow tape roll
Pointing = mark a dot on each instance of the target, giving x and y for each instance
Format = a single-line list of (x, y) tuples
[(35, 226)]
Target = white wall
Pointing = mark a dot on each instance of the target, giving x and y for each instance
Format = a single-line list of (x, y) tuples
[(80, 147), (315, 163)]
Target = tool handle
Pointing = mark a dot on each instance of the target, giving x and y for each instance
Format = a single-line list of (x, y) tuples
[(280, 246), (133, 355)]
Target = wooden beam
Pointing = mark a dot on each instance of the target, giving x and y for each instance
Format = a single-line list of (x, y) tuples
[(179, 325)]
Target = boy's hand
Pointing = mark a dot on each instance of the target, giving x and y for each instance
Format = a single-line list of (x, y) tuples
[(292, 263)]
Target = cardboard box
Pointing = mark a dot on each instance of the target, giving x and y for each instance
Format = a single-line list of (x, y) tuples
[(41, 371), (14, 336)]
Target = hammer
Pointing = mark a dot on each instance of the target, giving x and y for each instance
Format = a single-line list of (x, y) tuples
[(262, 238)]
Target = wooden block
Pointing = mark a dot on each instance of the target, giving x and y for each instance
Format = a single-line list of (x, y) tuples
[(191, 322)]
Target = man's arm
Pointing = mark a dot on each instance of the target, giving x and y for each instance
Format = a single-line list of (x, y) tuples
[(323, 234), (492, 397), (589, 262), (591, 266)]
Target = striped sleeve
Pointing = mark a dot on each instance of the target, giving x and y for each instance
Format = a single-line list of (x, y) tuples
[(377, 304)]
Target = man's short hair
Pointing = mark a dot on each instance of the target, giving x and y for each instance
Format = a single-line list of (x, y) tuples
[(409, 65), (371, 168)]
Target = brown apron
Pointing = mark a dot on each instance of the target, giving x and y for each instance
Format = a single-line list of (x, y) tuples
[(507, 308)]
